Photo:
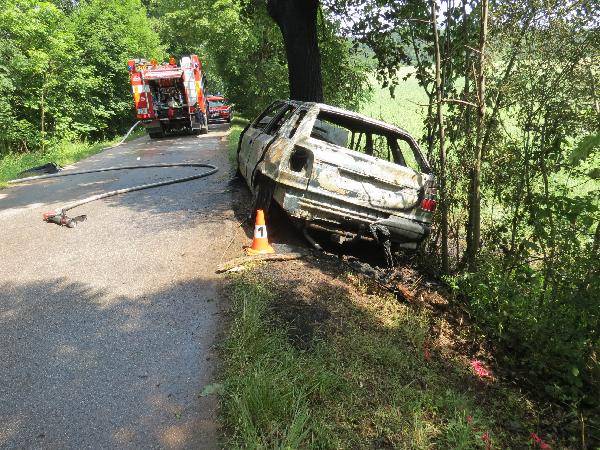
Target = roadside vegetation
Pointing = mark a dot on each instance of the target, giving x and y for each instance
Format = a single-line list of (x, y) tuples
[(406, 108), (237, 126), (64, 77), (319, 358), (65, 153)]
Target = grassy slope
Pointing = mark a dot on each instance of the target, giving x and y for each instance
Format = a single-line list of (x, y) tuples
[(66, 153), (319, 363)]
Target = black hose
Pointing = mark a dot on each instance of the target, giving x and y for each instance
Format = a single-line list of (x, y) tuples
[(59, 216), (60, 213)]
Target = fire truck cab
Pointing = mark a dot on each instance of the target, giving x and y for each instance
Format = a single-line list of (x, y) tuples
[(169, 97)]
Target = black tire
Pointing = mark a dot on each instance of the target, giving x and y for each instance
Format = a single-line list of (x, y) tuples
[(263, 194), (156, 135)]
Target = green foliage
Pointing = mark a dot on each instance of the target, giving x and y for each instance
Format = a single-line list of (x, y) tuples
[(405, 109), (551, 342), (237, 125), (109, 32), (586, 147), (244, 53), (63, 69)]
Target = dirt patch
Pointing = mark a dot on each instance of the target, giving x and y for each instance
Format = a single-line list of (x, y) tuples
[(319, 296), (303, 297)]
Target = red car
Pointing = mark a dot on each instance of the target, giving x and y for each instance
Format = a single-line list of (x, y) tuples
[(219, 109)]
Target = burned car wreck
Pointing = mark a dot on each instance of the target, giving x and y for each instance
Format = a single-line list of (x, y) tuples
[(339, 171)]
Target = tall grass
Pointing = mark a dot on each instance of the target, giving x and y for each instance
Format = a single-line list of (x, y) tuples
[(361, 382), (237, 125), (405, 109), (63, 153), (266, 392)]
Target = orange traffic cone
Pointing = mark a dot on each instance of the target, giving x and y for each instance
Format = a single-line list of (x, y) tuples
[(260, 243)]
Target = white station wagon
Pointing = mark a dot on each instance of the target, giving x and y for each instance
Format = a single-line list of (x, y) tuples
[(340, 171)]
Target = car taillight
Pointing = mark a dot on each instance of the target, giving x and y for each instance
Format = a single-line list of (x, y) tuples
[(428, 203)]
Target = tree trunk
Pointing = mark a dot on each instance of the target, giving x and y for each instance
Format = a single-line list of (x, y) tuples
[(467, 122), (43, 114), (441, 135), (297, 20), (475, 197)]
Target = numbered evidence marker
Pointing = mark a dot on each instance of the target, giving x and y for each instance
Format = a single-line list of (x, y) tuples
[(260, 243), (260, 231)]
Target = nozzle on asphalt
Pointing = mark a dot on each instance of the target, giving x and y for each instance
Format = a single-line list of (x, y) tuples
[(60, 218)]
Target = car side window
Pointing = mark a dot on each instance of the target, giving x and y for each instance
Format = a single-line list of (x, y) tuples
[(267, 115), (406, 155), (299, 119), (280, 119)]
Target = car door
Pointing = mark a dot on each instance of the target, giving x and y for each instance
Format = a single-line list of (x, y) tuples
[(266, 138), (248, 145)]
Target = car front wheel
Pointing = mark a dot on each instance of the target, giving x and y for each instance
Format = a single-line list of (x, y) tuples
[(263, 194)]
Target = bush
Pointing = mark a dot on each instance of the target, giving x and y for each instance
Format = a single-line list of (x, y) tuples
[(552, 341)]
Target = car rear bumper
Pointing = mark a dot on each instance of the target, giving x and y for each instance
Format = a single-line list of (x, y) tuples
[(346, 216)]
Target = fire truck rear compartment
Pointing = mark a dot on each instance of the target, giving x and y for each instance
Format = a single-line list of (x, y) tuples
[(169, 97), (169, 94)]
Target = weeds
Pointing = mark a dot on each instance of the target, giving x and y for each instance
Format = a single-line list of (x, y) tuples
[(237, 125), (266, 400), (362, 382), (65, 153)]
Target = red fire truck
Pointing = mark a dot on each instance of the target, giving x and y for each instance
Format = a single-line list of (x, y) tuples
[(169, 97)]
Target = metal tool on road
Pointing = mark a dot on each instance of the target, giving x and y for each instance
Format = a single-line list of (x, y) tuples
[(60, 218)]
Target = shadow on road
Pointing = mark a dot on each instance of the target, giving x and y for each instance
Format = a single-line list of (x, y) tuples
[(80, 368)]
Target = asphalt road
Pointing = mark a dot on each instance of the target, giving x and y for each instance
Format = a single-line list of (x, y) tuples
[(108, 330)]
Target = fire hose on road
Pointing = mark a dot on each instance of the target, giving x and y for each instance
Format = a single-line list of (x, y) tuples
[(59, 215)]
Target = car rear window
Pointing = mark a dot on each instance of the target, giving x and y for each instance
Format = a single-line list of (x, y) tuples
[(357, 135)]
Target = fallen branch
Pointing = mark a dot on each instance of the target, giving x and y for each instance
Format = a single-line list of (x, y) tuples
[(237, 263)]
